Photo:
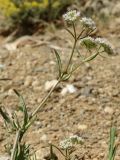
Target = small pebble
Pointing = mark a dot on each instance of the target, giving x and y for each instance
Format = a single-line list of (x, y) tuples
[(50, 84), (44, 137), (108, 110), (82, 127), (28, 81), (35, 83), (68, 89)]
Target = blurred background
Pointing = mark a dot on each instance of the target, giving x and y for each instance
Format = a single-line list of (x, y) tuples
[(29, 16)]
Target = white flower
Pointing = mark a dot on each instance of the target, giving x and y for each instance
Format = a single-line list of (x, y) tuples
[(76, 139), (71, 16), (66, 144), (70, 142), (88, 23), (89, 42), (108, 48)]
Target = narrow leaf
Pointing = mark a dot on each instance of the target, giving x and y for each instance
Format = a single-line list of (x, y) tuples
[(4, 115), (58, 62), (23, 107)]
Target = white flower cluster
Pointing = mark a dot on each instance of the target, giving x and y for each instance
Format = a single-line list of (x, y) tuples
[(71, 16), (76, 139), (70, 142), (88, 23), (90, 43), (108, 48)]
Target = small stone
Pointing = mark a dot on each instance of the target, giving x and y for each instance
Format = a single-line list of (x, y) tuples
[(40, 154), (86, 91), (50, 84), (35, 83), (82, 127), (2, 66), (28, 65), (44, 137), (64, 91), (28, 81), (68, 89), (10, 92), (108, 110)]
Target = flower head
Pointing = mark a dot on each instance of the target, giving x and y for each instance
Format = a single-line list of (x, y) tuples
[(71, 16), (76, 139), (89, 42), (105, 44), (66, 144), (70, 142), (88, 23)]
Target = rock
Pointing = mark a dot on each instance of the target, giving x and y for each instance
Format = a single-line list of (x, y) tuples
[(86, 91), (50, 84), (68, 89), (44, 137), (40, 154), (10, 92), (2, 66), (35, 83), (82, 127), (108, 110), (28, 81)]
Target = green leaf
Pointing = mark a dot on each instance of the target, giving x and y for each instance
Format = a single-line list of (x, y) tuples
[(16, 120), (58, 62), (30, 122), (5, 115), (112, 146), (23, 107)]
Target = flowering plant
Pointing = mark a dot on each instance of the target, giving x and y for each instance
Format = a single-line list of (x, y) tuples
[(98, 46)]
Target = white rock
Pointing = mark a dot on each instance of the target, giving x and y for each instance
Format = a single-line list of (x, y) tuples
[(2, 66), (68, 89), (11, 46), (35, 83), (64, 91), (10, 92), (28, 81), (82, 127), (108, 110), (44, 137), (50, 84)]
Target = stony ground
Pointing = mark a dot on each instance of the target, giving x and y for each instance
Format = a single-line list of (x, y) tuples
[(88, 112)]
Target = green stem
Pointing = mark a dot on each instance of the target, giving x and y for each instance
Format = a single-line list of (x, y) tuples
[(20, 134), (15, 146), (82, 63), (58, 150), (73, 49), (80, 34), (74, 29), (69, 31), (69, 62)]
